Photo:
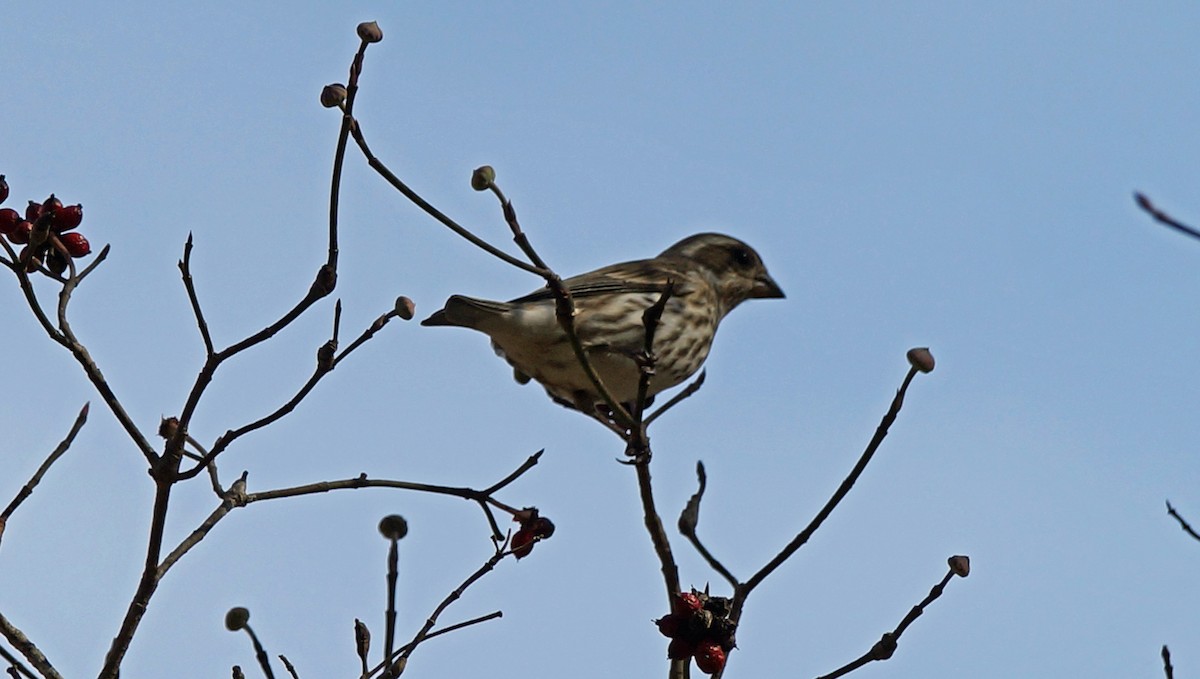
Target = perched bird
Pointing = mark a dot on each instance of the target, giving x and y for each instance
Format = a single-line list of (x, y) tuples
[(711, 274)]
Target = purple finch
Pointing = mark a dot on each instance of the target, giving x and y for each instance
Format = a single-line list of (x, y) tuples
[(710, 273)]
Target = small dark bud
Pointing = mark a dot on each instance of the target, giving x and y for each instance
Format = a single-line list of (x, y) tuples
[(362, 639), (960, 565), (168, 426), (236, 618), (237, 672), (541, 527), (369, 31), (405, 308), (482, 178), (56, 261), (921, 359), (393, 527), (3, 189), (333, 95), (325, 355)]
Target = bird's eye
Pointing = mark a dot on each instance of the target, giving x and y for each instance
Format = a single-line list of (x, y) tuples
[(743, 257)]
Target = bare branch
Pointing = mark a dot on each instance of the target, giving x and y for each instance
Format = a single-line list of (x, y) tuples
[(689, 519), (1162, 217), (28, 649), (185, 270), (886, 646), (1182, 523), (58, 451)]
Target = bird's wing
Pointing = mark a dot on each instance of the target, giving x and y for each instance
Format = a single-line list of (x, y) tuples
[(639, 276)]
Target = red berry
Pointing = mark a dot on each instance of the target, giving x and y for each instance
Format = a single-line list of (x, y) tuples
[(52, 203), (710, 658), (33, 211), (669, 625), (522, 543), (67, 217), (686, 602), (3, 189), (20, 235), (9, 218), (76, 244)]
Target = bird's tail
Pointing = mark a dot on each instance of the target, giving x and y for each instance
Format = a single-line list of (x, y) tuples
[(467, 312)]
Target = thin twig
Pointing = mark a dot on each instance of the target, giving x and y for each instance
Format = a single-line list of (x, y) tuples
[(185, 270), (432, 211), (1162, 217), (803, 536), (1182, 523), (15, 666), (21, 643), (1168, 669), (886, 646), (425, 632), (436, 633), (687, 391), (58, 451), (689, 519)]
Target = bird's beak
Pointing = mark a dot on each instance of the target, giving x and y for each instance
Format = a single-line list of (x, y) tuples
[(765, 287)]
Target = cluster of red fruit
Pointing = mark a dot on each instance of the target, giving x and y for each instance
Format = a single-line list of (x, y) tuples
[(699, 627), (43, 230), (533, 528)]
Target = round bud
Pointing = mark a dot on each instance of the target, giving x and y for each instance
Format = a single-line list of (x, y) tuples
[(482, 178), (52, 203), (710, 657), (9, 218), (921, 359), (669, 625), (20, 235), (3, 189), (236, 618), (960, 565), (393, 527), (333, 95), (76, 244), (369, 31), (66, 218), (541, 527), (56, 261), (405, 308)]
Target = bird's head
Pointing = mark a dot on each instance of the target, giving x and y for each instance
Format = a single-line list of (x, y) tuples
[(736, 269)]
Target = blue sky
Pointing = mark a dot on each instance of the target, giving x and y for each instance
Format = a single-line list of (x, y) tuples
[(957, 175)]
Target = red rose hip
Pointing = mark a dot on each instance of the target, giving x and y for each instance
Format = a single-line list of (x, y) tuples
[(76, 244)]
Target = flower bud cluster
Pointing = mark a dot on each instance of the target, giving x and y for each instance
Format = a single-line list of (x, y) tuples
[(45, 231), (699, 627)]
